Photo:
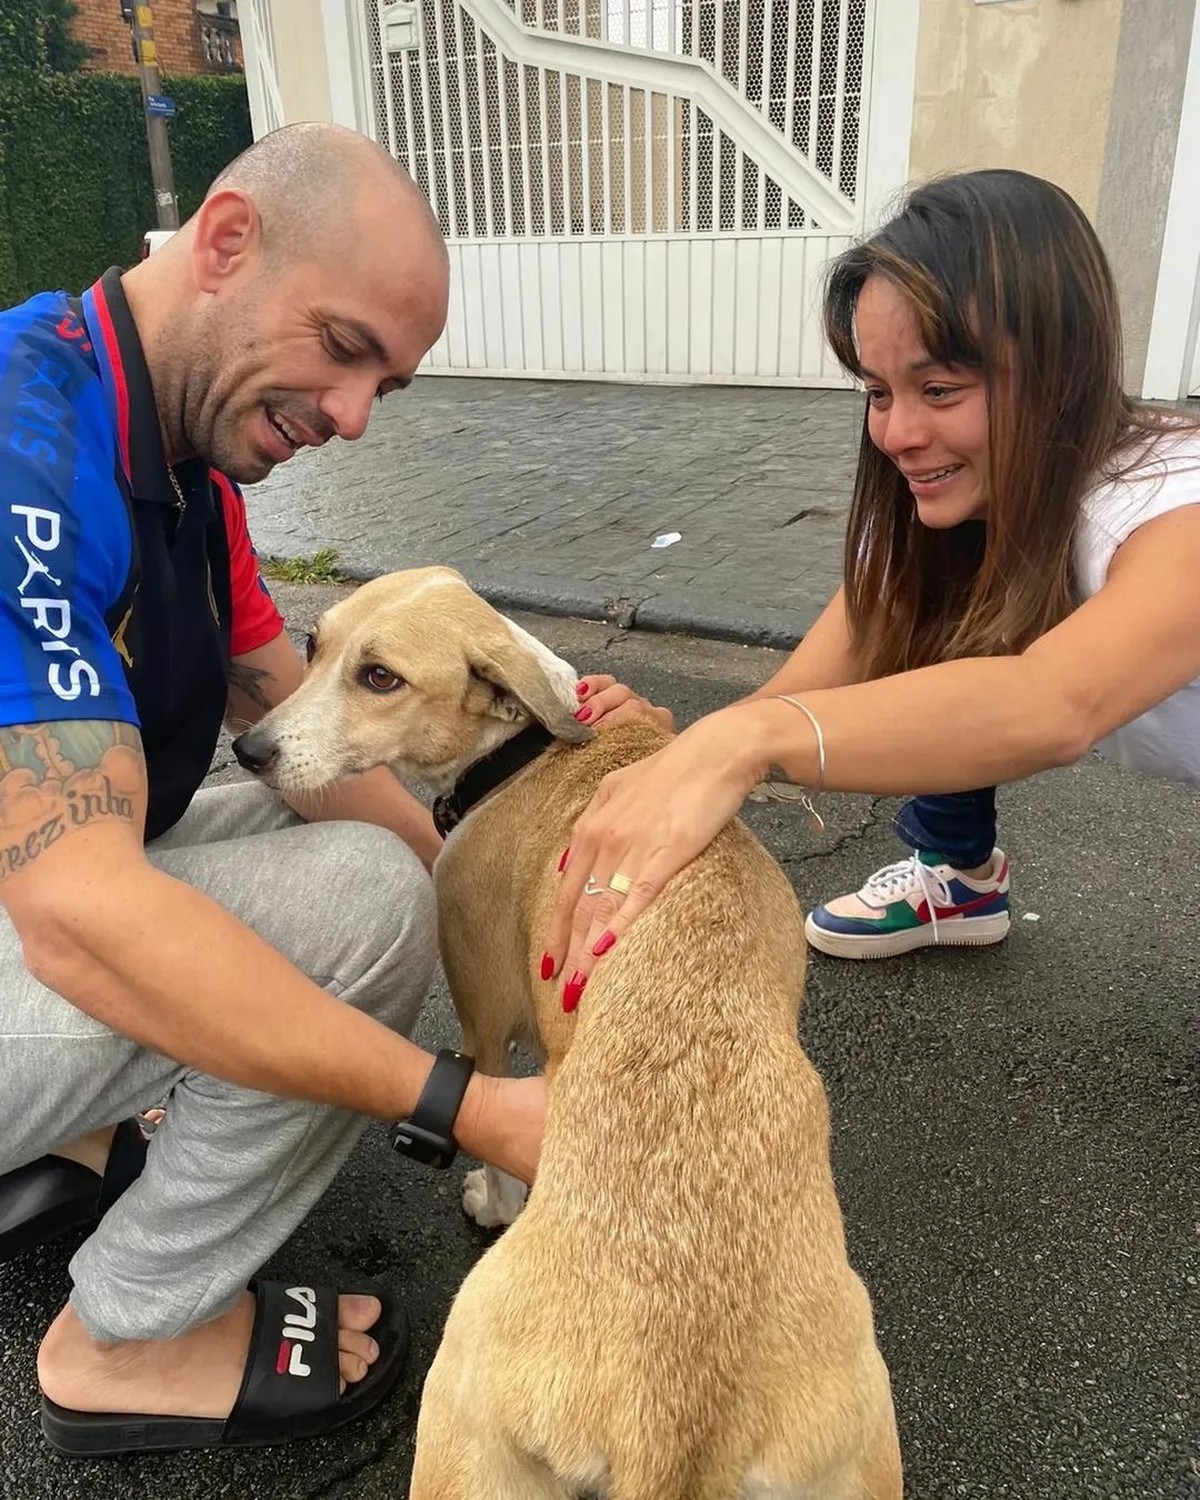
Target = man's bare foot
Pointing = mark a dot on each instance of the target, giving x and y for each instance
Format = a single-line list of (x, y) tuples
[(197, 1374)]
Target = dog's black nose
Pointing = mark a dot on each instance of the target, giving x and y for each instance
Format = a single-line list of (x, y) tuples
[(256, 751)]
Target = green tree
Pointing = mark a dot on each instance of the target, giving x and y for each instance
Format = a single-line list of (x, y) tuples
[(64, 52), (75, 188), (38, 36)]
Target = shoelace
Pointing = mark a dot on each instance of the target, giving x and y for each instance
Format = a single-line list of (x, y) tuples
[(900, 878)]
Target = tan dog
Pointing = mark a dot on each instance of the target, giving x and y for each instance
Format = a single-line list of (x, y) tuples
[(672, 1316)]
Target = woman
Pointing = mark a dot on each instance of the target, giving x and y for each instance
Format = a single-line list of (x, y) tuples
[(1022, 583)]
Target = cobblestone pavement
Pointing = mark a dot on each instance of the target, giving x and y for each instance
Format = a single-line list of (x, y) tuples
[(548, 496)]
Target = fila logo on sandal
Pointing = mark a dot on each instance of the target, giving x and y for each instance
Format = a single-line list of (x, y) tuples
[(299, 1328)]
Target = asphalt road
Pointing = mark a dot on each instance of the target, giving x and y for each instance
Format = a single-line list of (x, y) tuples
[(1016, 1148)]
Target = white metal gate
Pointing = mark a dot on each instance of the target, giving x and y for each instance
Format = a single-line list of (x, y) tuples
[(1173, 357), (258, 48), (633, 189)]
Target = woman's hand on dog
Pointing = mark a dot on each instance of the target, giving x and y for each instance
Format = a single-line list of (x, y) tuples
[(644, 823), (604, 701)]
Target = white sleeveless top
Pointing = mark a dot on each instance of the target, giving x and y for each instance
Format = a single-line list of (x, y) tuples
[(1165, 740)]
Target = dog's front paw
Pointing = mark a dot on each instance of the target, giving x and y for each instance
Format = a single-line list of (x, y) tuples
[(492, 1198)]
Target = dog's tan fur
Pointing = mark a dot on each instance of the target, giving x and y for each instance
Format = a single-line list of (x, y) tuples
[(672, 1315)]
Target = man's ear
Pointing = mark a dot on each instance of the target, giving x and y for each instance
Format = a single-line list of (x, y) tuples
[(523, 690), (228, 238)]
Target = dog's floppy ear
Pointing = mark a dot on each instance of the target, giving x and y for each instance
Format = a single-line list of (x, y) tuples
[(522, 687)]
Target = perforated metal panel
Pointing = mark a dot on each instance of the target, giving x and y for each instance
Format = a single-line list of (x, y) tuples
[(505, 149), (632, 188)]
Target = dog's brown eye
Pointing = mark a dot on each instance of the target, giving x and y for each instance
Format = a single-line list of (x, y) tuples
[(310, 646), (380, 680)]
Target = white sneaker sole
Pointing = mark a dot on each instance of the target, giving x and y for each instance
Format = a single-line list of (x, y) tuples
[(955, 932)]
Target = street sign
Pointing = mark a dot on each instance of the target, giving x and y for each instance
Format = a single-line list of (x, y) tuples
[(161, 106)]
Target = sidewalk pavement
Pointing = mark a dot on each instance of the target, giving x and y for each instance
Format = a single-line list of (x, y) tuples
[(548, 496)]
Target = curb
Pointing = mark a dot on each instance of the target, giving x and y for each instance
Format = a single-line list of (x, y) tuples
[(668, 613)]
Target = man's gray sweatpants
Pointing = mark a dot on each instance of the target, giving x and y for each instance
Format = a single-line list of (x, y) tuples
[(230, 1172)]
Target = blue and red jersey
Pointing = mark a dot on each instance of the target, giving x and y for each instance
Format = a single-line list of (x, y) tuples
[(119, 597)]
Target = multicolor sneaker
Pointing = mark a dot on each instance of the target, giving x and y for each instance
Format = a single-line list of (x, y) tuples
[(920, 902)]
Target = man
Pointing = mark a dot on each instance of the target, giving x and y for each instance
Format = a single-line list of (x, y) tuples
[(262, 964)]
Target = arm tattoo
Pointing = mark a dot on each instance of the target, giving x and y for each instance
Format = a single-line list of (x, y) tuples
[(246, 680), (61, 776)]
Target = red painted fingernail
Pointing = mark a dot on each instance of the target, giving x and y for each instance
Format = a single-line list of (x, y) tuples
[(581, 689), (603, 943), (562, 859), (547, 966), (573, 990), (584, 715)]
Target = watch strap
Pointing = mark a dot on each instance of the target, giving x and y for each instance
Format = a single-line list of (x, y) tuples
[(431, 1136)]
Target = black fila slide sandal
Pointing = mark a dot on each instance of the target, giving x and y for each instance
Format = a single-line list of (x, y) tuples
[(289, 1388)]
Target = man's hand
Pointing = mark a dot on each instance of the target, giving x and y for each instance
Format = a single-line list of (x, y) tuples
[(501, 1121), (603, 701)]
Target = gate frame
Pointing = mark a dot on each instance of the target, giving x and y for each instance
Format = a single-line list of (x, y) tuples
[(889, 77), (1173, 355), (888, 99)]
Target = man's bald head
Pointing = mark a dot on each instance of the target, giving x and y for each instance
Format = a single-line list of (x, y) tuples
[(311, 280), (308, 182)]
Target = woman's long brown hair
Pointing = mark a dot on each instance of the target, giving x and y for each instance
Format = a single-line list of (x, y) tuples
[(1005, 276)]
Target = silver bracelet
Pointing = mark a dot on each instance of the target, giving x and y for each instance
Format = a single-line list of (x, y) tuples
[(812, 719), (806, 801)]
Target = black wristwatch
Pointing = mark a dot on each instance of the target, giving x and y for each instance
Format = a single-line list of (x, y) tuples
[(428, 1133)]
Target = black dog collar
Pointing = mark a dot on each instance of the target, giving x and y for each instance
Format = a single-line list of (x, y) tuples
[(487, 774)]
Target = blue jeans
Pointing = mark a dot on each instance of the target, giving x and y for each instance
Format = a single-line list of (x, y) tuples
[(961, 827)]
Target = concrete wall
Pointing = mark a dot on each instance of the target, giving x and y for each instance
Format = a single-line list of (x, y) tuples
[(1023, 83), (1139, 159), (300, 60), (1086, 93)]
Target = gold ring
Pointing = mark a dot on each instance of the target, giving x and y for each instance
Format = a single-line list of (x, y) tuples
[(620, 883)]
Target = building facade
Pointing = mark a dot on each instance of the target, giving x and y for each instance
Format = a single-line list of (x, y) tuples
[(649, 189), (192, 36)]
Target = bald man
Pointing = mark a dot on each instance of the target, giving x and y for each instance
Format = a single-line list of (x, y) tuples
[(260, 964)]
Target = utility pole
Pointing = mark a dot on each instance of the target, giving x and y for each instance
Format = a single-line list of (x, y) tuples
[(158, 111)]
